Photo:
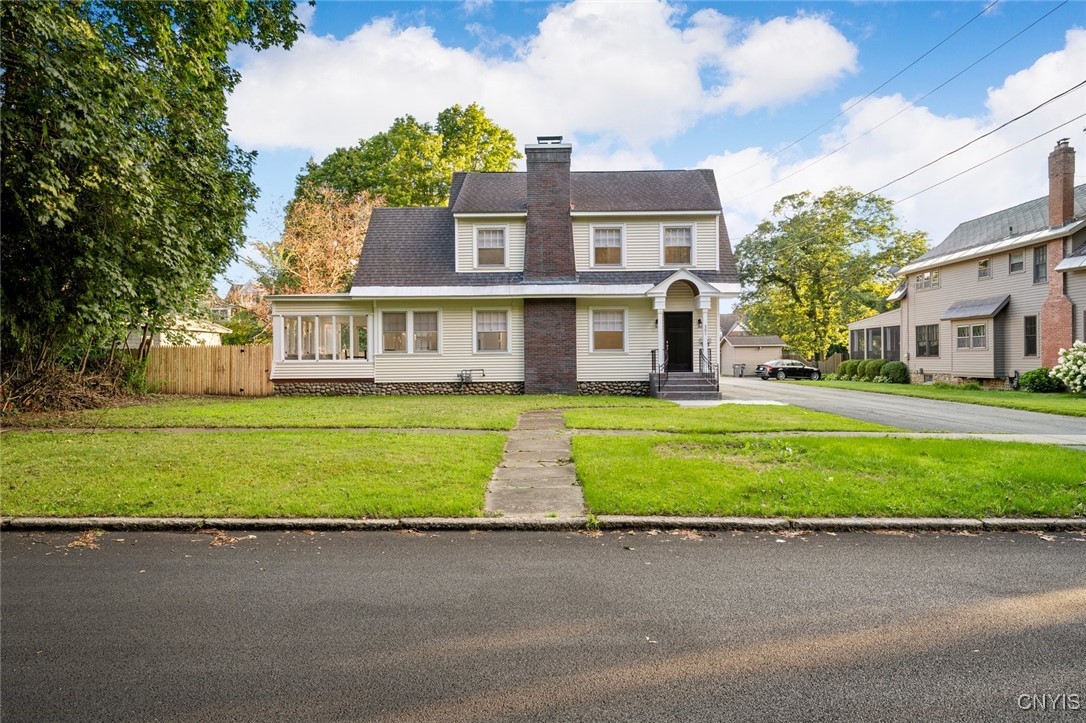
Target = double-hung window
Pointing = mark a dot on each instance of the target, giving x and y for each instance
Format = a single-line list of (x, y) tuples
[(678, 245), (1030, 334), (608, 330), (490, 247), (1017, 262), (491, 331), (984, 269), (425, 331), (1040, 264), (607, 246), (410, 332), (927, 280), (394, 332), (927, 340), (972, 336)]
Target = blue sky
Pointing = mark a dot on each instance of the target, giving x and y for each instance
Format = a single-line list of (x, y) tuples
[(729, 86)]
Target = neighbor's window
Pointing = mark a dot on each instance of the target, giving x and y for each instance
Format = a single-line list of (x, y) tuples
[(290, 337), (1040, 264), (608, 330), (425, 328), (607, 246), (984, 269), (491, 246), (491, 331), (874, 343), (980, 336), (856, 344), (394, 331), (678, 244), (1017, 262), (1030, 328), (963, 337), (927, 280), (891, 343), (927, 340)]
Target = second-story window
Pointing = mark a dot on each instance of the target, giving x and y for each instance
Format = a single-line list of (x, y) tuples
[(1017, 262), (490, 246), (678, 245), (984, 269), (1040, 264), (607, 246)]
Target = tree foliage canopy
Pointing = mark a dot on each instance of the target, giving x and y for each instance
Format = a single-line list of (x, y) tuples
[(122, 195), (411, 164), (819, 263)]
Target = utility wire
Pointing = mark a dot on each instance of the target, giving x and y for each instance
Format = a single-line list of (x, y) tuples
[(855, 103), (913, 104), (971, 168), (981, 137)]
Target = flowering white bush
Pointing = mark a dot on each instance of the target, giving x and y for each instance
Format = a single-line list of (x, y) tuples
[(1071, 368)]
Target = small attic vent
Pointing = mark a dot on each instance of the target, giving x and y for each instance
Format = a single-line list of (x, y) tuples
[(548, 140)]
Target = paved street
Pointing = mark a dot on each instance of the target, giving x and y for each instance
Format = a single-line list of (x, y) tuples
[(921, 415), (542, 626)]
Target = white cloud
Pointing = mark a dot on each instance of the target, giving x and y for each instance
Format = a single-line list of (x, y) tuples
[(636, 72), (915, 137)]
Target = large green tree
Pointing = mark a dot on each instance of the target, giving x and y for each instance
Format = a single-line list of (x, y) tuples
[(411, 164), (122, 195), (820, 262)]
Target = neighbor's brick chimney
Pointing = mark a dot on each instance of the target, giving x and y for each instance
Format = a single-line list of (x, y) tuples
[(548, 253), (550, 324), (1057, 311)]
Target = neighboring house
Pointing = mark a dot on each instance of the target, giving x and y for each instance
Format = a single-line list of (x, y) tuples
[(739, 346), (546, 281), (1000, 296), (182, 332)]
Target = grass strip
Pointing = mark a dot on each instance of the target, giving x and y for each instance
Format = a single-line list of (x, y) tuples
[(702, 475), (723, 418), (1073, 405), (247, 474), (490, 412)]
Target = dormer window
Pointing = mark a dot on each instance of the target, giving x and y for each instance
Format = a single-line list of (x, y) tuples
[(490, 246), (607, 245), (678, 245)]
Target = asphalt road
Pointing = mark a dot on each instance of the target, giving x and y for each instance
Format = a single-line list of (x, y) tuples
[(918, 415), (551, 626)]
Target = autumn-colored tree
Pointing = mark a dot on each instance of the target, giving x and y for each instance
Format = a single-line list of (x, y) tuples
[(319, 249), (819, 263)]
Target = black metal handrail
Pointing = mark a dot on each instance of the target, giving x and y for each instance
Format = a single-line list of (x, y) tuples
[(709, 371), (660, 370)]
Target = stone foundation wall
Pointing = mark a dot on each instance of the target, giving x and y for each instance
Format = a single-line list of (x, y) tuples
[(365, 389), (622, 389)]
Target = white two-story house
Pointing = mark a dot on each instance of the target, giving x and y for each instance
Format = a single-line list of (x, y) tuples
[(544, 281), (1001, 295)]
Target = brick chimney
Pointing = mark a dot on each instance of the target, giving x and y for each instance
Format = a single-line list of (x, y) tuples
[(1061, 184), (548, 252), (550, 324), (1057, 311)]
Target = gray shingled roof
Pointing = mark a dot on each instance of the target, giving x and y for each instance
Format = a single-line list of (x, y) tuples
[(728, 321), (977, 308), (1015, 221), (415, 246), (596, 191), (744, 340)]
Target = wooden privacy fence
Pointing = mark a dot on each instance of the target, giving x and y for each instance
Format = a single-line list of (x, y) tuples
[(829, 366), (221, 370)]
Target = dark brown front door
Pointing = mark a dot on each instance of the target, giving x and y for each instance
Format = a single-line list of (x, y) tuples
[(679, 337)]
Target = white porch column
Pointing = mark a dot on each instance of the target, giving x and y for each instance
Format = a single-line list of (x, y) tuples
[(659, 303), (703, 304)]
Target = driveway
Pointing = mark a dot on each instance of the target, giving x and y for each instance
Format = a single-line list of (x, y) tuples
[(918, 415)]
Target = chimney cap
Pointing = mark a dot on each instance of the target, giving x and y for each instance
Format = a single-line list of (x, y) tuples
[(548, 140), (1063, 142)]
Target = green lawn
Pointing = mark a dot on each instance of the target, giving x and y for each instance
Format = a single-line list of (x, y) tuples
[(247, 474), (828, 476), (723, 418), (403, 412), (1069, 404)]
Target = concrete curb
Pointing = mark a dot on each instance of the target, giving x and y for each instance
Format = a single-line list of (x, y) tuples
[(603, 522)]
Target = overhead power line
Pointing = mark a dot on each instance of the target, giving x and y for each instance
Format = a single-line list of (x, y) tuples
[(855, 103)]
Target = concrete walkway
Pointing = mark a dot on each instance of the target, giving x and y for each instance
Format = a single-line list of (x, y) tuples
[(535, 478)]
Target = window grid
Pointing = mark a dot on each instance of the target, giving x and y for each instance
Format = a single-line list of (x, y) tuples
[(608, 330), (490, 244), (492, 331), (678, 244), (607, 246)]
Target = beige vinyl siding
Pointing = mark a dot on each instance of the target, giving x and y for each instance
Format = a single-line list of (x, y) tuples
[(1006, 342), (1076, 291), (643, 242), (514, 243), (634, 363), (878, 321), (318, 368), (456, 342)]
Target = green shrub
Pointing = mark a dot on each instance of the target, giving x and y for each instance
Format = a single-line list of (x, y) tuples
[(897, 372), (1040, 381), (847, 369), (871, 368)]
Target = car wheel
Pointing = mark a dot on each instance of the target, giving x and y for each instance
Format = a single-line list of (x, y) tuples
[(815, 376), (781, 375)]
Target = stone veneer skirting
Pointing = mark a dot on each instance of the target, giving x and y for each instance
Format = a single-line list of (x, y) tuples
[(372, 389), (618, 389)]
